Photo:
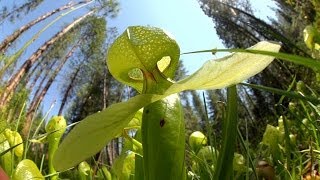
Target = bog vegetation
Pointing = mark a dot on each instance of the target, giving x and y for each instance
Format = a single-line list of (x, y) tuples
[(128, 110)]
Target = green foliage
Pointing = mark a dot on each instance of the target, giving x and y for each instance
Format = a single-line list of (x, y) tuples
[(225, 168), (96, 34), (239, 163), (93, 128), (143, 48), (55, 129), (14, 139), (124, 166), (90, 134), (91, 30), (5, 159), (92, 88), (146, 58), (27, 169), (196, 140), (15, 108), (208, 153), (310, 33), (85, 171), (163, 139), (105, 173), (273, 137)]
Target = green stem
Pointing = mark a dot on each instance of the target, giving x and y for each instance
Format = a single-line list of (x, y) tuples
[(53, 146), (224, 169), (289, 94), (249, 158), (139, 169), (55, 129), (133, 141), (308, 62)]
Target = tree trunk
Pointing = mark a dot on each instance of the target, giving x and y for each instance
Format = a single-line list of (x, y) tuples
[(110, 153), (35, 71), (115, 148), (105, 86), (11, 38), (68, 90), (37, 99), (46, 74), (16, 78)]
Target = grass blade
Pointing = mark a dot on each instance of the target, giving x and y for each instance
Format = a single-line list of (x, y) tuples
[(289, 94), (308, 62), (224, 169)]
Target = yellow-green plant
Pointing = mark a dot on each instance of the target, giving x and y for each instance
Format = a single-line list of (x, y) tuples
[(146, 59), (104, 173), (196, 140), (27, 169), (55, 129), (85, 171), (11, 144), (124, 166), (6, 158), (14, 139), (311, 37)]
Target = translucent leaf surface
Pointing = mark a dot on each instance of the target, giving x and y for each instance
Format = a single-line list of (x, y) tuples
[(142, 47), (85, 170), (272, 137), (5, 159), (96, 130), (27, 169), (308, 35), (124, 166), (136, 120), (311, 37), (229, 70), (14, 139)]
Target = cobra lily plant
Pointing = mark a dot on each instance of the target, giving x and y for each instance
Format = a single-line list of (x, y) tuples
[(146, 59)]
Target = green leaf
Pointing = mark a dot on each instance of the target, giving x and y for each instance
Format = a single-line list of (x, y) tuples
[(308, 35), (224, 169), (124, 166), (14, 139), (311, 37), (5, 154), (140, 50), (272, 137), (239, 163), (96, 130), (249, 157), (136, 120), (227, 71), (27, 169), (85, 171)]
